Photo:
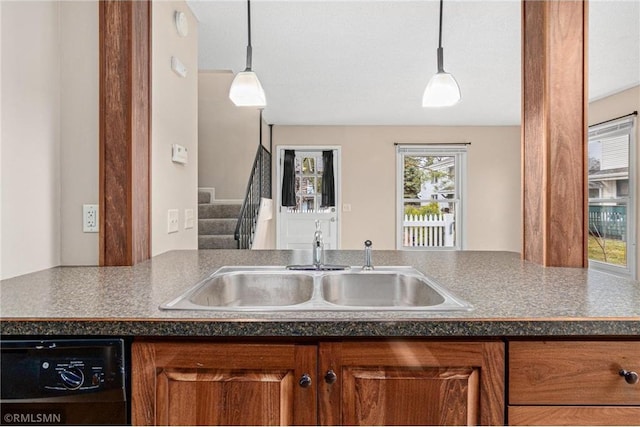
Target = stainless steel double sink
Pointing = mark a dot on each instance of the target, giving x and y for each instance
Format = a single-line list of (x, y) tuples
[(258, 288)]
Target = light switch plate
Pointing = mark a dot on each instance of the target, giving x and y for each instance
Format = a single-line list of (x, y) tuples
[(188, 218), (172, 221)]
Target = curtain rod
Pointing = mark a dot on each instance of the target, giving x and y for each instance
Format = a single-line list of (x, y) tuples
[(431, 143), (635, 113)]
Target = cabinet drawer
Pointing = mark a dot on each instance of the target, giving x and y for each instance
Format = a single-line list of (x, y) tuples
[(574, 415), (573, 373)]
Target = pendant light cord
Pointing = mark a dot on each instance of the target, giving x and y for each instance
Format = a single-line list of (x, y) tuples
[(249, 21), (440, 31), (248, 68), (440, 54)]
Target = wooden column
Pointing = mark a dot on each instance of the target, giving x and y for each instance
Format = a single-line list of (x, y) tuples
[(554, 128), (125, 131)]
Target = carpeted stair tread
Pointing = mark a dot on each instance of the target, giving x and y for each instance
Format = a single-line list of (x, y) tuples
[(217, 242), (204, 197), (219, 210), (216, 226), (216, 223)]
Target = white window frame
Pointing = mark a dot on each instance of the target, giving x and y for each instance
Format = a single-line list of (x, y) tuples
[(459, 152), (611, 129)]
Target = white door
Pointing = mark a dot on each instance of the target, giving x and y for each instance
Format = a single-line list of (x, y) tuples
[(295, 221)]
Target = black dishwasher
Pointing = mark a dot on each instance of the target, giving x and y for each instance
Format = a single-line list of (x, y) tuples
[(74, 381)]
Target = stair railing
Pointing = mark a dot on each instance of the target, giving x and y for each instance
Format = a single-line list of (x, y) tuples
[(259, 186)]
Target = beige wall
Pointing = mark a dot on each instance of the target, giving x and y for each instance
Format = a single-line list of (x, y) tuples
[(49, 133), (54, 61), (79, 143), (174, 121), (369, 179), (228, 137), (613, 106), (30, 177)]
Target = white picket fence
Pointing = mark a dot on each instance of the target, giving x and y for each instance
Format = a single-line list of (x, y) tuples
[(428, 230)]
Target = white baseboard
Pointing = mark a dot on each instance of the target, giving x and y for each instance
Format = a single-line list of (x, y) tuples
[(214, 201)]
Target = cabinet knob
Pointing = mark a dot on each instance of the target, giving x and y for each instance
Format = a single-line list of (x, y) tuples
[(629, 376), (330, 377), (305, 381)]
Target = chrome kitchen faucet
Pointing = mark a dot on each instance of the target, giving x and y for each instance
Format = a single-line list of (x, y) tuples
[(318, 247), (368, 260), (317, 251)]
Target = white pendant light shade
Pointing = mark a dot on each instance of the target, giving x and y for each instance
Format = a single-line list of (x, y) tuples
[(246, 90), (442, 91)]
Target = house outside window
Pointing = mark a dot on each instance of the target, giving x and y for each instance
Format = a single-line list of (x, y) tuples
[(430, 184), (594, 193), (612, 205), (622, 188)]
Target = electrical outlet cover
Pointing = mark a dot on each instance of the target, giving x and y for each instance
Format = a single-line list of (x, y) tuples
[(179, 154), (90, 222)]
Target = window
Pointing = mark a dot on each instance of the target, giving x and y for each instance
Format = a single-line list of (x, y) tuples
[(430, 196), (308, 172), (594, 193), (611, 197), (622, 188)]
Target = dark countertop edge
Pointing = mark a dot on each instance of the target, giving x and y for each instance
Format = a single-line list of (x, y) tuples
[(319, 329)]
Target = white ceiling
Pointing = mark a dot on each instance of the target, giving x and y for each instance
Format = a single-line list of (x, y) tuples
[(367, 62)]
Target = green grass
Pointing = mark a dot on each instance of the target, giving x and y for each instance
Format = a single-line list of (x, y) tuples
[(616, 251)]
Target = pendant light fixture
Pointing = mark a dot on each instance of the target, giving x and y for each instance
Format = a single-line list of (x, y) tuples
[(246, 90), (442, 90)]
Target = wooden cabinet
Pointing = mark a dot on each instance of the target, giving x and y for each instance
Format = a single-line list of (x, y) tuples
[(200, 383), (351, 383), (573, 383), (412, 383)]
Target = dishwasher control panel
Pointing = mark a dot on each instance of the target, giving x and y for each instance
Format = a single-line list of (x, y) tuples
[(33, 369), (74, 374), (64, 382)]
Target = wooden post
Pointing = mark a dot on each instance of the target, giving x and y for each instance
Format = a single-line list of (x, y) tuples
[(125, 131), (554, 129)]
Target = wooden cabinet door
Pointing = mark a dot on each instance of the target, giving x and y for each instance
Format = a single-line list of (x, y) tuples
[(200, 383), (411, 383)]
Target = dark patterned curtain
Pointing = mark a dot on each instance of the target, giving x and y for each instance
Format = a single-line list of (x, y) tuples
[(328, 185), (289, 178)]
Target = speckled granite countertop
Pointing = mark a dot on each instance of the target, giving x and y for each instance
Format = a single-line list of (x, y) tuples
[(510, 298)]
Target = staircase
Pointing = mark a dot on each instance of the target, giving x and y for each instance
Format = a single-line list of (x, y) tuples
[(233, 225), (216, 223)]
